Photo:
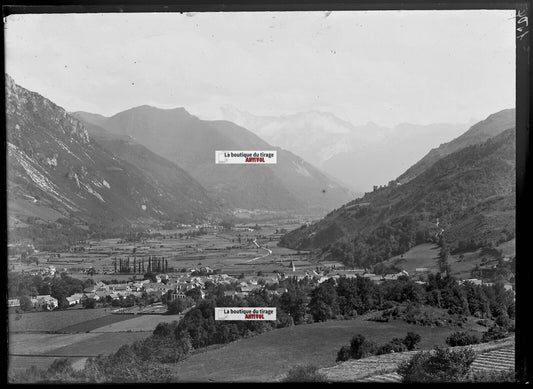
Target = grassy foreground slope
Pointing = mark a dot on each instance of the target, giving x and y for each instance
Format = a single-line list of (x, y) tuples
[(268, 356)]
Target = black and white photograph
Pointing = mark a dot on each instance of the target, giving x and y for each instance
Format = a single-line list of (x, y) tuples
[(314, 195)]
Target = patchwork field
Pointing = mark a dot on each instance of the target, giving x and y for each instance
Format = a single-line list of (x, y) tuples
[(265, 357), (232, 252), (79, 334)]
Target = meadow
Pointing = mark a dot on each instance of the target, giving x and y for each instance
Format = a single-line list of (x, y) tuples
[(54, 320), (266, 356), (426, 256)]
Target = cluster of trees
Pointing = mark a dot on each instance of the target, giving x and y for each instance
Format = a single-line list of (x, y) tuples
[(349, 297), (153, 264), (24, 286), (200, 327), (464, 338), (360, 347), (390, 238)]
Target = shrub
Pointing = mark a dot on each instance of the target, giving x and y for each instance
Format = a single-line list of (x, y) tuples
[(441, 365), (462, 339), (494, 333), (396, 345), (361, 348), (304, 373), (344, 354), (411, 340)]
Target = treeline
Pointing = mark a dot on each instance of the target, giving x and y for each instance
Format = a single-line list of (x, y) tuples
[(152, 264)]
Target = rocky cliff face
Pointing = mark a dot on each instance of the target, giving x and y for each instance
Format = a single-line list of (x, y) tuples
[(56, 170)]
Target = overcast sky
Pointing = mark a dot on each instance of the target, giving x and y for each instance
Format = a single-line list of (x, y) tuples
[(382, 66)]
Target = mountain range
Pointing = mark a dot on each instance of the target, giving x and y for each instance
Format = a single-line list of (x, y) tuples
[(291, 185), (56, 170), (345, 151), (463, 191)]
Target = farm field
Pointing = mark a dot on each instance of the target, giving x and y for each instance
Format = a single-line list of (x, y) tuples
[(80, 333), (139, 323), (217, 250), (100, 343), (94, 324), (426, 255), (421, 256), (266, 356), (43, 349), (52, 321)]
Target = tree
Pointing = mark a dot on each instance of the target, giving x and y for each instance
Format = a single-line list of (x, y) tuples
[(344, 354), (178, 305), (89, 303), (25, 304), (411, 340), (323, 304), (361, 348), (294, 302)]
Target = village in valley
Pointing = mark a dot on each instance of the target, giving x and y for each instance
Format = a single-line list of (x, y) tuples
[(241, 258)]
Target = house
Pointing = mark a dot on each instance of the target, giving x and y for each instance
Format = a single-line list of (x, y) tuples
[(396, 275), (474, 281), (158, 287), (245, 289), (122, 288), (300, 275), (93, 296), (280, 291), (136, 286), (13, 303), (389, 277), (323, 279), (421, 270), (74, 299), (45, 302), (230, 293), (90, 289), (177, 295), (373, 277)]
